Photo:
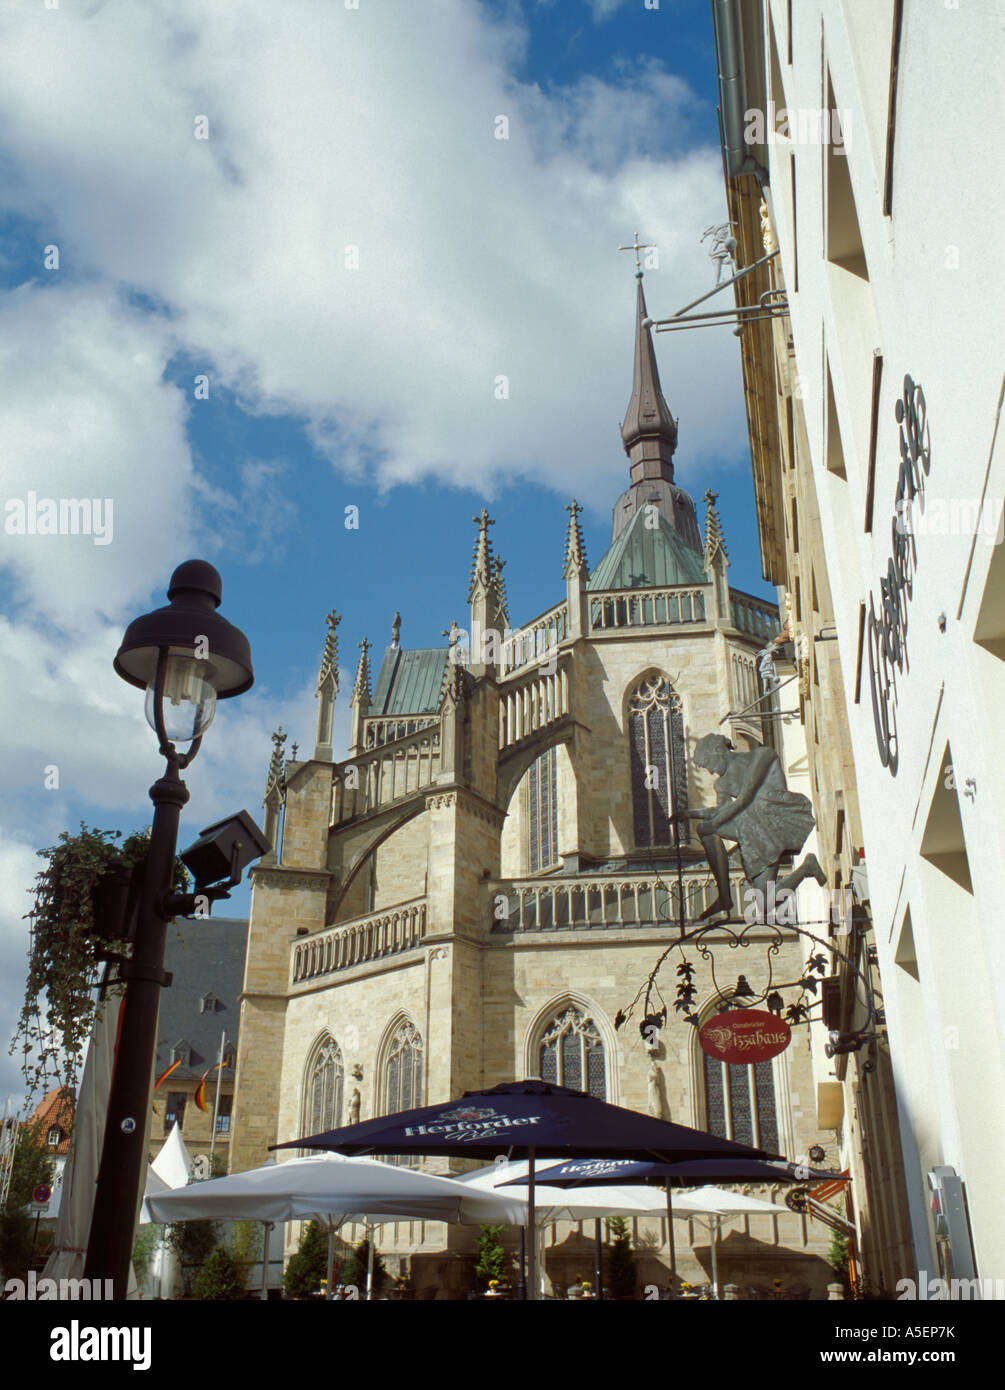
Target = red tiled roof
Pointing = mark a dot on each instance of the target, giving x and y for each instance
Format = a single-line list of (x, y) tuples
[(55, 1108)]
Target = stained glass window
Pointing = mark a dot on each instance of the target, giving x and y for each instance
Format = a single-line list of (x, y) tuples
[(403, 1073), (715, 1103), (740, 1102), (657, 760), (324, 1088), (543, 821), (767, 1119), (403, 1081), (572, 1054)]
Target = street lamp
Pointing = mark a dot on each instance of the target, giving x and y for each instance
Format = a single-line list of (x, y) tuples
[(186, 657)]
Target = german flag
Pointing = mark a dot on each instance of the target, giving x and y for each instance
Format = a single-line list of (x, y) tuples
[(200, 1095), (164, 1075)]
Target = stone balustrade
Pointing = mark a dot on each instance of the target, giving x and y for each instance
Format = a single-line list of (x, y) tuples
[(389, 773), (602, 901), (752, 615), (363, 939), (379, 731), (535, 642), (620, 608)]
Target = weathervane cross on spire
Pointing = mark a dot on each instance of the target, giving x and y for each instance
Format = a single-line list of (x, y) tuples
[(636, 247)]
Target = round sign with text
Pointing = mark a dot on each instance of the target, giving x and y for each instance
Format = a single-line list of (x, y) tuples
[(744, 1035)]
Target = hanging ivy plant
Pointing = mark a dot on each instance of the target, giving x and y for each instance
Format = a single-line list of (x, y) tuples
[(67, 932)]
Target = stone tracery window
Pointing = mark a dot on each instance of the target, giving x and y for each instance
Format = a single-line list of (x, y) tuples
[(403, 1069), (740, 1102), (402, 1081), (658, 760), (572, 1053), (543, 812), (325, 1084)]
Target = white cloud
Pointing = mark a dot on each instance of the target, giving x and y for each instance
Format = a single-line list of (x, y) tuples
[(604, 9), (84, 413), (374, 129), (478, 258), (92, 729), (18, 867)]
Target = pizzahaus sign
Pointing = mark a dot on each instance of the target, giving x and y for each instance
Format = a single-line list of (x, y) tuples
[(745, 1035)]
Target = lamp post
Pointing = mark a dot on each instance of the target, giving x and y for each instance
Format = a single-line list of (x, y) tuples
[(186, 657)]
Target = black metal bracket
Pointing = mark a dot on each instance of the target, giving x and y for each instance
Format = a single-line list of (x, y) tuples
[(128, 971), (185, 904)]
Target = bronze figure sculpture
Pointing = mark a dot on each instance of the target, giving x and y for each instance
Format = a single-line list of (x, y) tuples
[(755, 809)]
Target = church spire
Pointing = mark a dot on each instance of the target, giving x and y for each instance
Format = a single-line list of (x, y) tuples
[(487, 597), (649, 432), (361, 688), (575, 549), (273, 799), (482, 563), (327, 689), (576, 575), (500, 589), (716, 560), (713, 531), (360, 701)]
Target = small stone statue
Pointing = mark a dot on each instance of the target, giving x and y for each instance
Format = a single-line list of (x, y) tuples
[(354, 1106), (756, 810), (655, 1092)]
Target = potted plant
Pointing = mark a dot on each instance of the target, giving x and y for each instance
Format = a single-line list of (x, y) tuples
[(622, 1266), (305, 1272), (354, 1273), (491, 1266), (75, 923)]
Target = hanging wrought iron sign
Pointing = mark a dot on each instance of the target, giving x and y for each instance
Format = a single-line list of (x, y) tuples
[(744, 1035)]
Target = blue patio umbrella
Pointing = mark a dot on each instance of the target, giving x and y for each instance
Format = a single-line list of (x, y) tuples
[(688, 1173), (693, 1172), (527, 1119)]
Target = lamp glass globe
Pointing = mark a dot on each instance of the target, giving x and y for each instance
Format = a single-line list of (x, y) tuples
[(189, 699)]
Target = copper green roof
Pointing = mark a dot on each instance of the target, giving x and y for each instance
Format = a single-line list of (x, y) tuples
[(409, 682), (648, 557)]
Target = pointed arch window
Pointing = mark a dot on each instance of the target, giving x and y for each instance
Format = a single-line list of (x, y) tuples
[(402, 1081), (543, 812), (403, 1069), (572, 1053), (740, 1102), (657, 756), (325, 1085)]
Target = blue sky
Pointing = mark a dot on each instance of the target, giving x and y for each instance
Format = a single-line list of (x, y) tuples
[(352, 258)]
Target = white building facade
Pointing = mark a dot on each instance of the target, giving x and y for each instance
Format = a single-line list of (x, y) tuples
[(883, 216)]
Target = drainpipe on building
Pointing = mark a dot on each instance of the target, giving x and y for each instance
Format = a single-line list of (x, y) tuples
[(732, 92)]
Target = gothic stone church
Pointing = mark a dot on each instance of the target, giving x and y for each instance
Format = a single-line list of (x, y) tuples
[(472, 894)]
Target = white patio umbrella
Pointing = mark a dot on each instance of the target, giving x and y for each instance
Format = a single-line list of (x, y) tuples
[(332, 1185), (169, 1170), (712, 1205), (173, 1165), (580, 1203), (304, 1187), (570, 1203)]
